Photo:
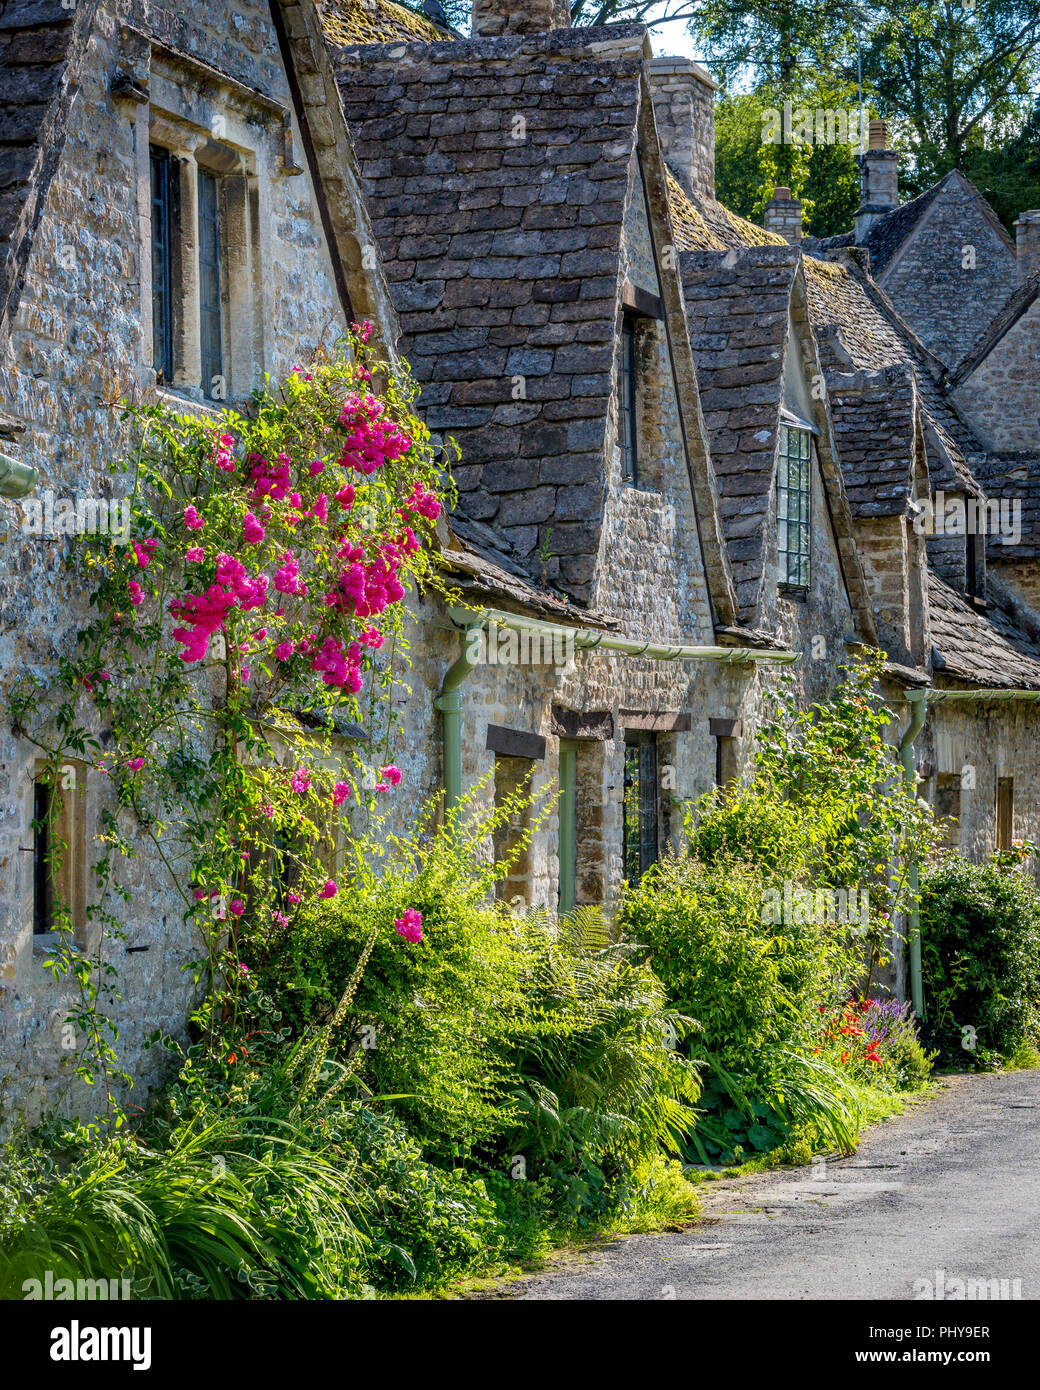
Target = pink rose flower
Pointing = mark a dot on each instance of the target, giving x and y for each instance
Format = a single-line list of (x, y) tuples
[(409, 926)]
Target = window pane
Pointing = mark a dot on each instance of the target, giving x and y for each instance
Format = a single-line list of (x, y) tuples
[(794, 505), (627, 403), (209, 282), (162, 296)]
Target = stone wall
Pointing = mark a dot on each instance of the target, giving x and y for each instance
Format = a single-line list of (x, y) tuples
[(1001, 397), (80, 342)]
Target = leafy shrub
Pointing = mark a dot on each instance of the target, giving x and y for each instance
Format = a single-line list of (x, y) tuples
[(754, 990), (980, 940), (498, 1035)]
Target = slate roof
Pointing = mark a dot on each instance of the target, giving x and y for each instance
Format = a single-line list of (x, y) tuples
[(1019, 303), (738, 305), (876, 423), (41, 44), (982, 649), (709, 225), (503, 258), (889, 232), (473, 565), (1014, 478), (859, 328)]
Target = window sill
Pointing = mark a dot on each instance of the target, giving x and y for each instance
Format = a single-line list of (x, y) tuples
[(46, 943), (195, 405), (799, 593)]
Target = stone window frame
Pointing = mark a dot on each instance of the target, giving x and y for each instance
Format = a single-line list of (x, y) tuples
[(67, 883), (207, 125)]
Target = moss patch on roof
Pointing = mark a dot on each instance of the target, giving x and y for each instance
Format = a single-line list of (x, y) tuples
[(377, 21), (712, 226)]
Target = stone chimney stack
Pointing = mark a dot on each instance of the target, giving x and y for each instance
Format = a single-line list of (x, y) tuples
[(878, 181), (684, 108), (1027, 243), (493, 18), (783, 214)]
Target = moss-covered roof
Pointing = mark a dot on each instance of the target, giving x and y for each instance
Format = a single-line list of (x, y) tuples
[(377, 21)]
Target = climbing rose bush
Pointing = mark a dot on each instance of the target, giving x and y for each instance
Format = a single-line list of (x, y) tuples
[(257, 602)]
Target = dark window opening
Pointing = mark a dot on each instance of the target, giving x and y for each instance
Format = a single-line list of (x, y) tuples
[(210, 315), (627, 421), (43, 869), (512, 832), (948, 806), (794, 507), (973, 579), (162, 266), (1005, 812), (640, 805)]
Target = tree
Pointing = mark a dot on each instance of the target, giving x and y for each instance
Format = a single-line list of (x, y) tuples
[(949, 76)]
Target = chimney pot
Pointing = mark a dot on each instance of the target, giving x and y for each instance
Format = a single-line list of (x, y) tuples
[(878, 180)]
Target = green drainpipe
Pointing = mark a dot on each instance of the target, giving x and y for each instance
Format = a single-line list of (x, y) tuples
[(16, 479), (918, 714), (449, 702)]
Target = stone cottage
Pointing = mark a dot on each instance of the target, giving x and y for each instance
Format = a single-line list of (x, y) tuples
[(696, 454)]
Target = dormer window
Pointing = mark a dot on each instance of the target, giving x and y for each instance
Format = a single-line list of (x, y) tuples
[(794, 508)]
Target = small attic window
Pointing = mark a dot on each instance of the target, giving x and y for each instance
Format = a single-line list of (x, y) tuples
[(628, 426), (794, 508)]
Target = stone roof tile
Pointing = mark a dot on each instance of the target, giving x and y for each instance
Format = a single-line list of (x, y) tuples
[(540, 279)]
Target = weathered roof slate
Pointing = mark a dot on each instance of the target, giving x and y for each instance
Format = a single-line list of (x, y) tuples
[(502, 249), (986, 649), (41, 43), (376, 21), (738, 305), (876, 424), (858, 327), (1009, 479), (709, 225)]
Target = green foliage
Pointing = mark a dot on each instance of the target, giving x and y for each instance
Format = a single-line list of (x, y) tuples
[(500, 1036), (980, 938), (825, 177), (952, 80)]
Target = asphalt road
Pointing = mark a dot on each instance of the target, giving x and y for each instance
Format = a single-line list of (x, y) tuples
[(949, 1191)]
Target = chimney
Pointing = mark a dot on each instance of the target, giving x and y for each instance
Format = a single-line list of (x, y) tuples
[(878, 181), (783, 214), (1027, 244), (493, 18), (684, 109)]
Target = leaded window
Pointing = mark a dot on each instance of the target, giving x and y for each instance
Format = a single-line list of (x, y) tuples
[(640, 805), (210, 318), (162, 266), (794, 506)]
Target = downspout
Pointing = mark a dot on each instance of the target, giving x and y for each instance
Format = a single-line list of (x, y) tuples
[(918, 714), (16, 479), (449, 703)]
